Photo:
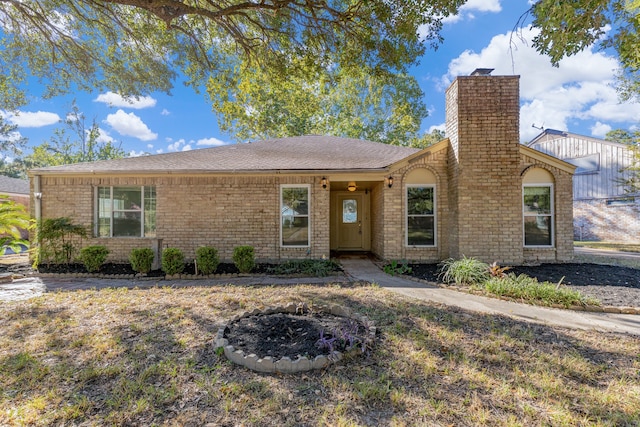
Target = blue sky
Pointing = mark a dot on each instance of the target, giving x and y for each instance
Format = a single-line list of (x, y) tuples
[(578, 96)]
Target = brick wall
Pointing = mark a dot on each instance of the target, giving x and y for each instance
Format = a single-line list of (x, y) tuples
[(223, 212), (596, 220), (563, 218), (486, 200), (395, 207), (377, 220)]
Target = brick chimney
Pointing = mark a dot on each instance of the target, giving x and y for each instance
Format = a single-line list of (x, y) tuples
[(482, 123)]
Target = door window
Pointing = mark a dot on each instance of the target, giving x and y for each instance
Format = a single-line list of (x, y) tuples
[(349, 211)]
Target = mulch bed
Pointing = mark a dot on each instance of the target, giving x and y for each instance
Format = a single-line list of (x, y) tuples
[(285, 335), (119, 269), (574, 274), (611, 285)]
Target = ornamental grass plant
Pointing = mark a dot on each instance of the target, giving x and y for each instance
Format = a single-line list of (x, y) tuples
[(494, 280), (465, 271), (523, 287)]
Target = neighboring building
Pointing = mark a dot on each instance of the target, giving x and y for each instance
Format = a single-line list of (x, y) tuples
[(17, 189), (479, 193), (602, 208)]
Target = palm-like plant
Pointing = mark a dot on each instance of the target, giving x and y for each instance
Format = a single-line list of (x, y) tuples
[(13, 219)]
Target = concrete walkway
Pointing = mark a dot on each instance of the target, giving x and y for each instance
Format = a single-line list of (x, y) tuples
[(365, 270)]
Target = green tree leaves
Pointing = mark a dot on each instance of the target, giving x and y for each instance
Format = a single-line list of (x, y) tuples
[(13, 218), (135, 47), (568, 27), (260, 103)]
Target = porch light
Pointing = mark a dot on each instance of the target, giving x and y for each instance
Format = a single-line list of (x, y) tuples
[(390, 181), (351, 186), (37, 195), (323, 181)]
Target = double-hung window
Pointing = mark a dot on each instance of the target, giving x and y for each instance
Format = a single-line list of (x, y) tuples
[(538, 214), (421, 217), (294, 215), (125, 211)]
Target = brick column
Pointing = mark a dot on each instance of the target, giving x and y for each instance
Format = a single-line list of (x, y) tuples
[(485, 186)]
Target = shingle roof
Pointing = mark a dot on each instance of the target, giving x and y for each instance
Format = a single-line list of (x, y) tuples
[(13, 185), (296, 154)]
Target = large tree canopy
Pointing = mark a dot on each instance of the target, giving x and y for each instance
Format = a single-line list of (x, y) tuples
[(274, 67), (568, 27), (257, 103), (138, 46)]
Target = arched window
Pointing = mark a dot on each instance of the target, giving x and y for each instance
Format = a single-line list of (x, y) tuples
[(420, 208), (538, 208)]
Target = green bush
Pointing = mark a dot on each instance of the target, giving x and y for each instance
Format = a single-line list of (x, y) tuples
[(93, 257), (58, 241), (141, 259), (397, 267), (465, 271), (307, 267), (207, 259), (172, 261), (244, 258)]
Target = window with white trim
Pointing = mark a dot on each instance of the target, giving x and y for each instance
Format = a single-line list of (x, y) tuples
[(538, 214), (294, 215), (421, 215), (125, 211)]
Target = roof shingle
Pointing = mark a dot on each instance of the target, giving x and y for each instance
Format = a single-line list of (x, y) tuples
[(295, 154)]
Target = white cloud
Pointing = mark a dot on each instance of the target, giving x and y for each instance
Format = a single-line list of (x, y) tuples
[(130, 125), (150, 146), (441, 127), (581, 88), (116, 100), (186, 147), (600, 130), (165, 112), (467, 9), (482, 6), (103, 136), (134, 153), (211, 142), (27, 119), (175, 146)]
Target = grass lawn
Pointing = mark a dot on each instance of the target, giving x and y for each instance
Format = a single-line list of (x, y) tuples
[(145, 357)]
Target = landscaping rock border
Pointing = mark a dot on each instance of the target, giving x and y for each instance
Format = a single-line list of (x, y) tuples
[(285, 365)]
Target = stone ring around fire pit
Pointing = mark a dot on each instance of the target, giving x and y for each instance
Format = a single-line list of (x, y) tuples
[(273, 363)]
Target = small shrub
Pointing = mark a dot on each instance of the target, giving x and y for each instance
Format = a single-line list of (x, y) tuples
[(307, 267), (397, 267), (465, 271), (141, 259), (58, 240), (93, 257), (244, 258), (172, 261), (207, 259), (496, 271)]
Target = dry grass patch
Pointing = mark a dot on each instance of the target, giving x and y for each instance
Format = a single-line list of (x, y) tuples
[(145, 357)]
